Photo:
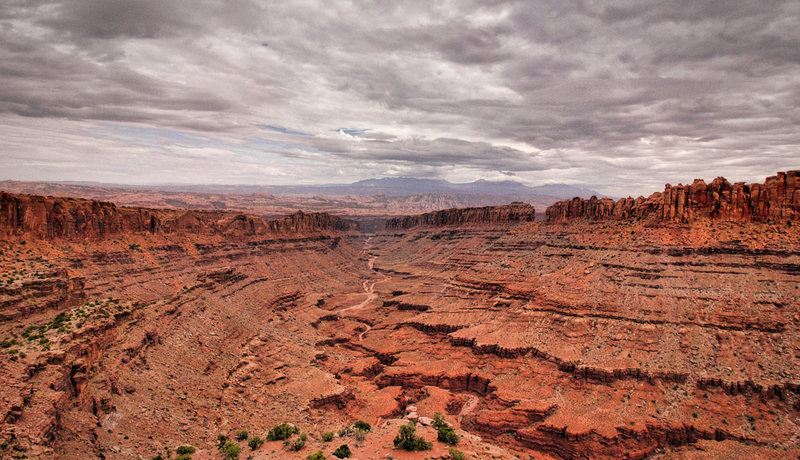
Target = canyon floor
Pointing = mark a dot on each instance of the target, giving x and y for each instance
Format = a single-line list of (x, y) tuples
[(535, 340)]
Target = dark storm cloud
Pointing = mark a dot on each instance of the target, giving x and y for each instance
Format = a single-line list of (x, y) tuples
[(619, 95)]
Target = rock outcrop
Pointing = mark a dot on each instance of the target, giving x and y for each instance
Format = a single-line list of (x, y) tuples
[(41, 217), (778, 198), (511, 213)]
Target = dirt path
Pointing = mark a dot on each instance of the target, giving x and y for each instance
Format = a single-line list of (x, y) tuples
[(369, 289)]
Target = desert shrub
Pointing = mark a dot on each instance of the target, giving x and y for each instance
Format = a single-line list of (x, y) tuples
[(185, 450), (447, 435), (281, 432), (342, 452), (230, 450), (184, 457), (444, 432), (60, 320), (255, 442), (456, 454), (158, 457), (221, 440), (298, 443), (360, 435), (362, 425), (407, 440), (241, 435), (327, 436), (318, 455), (346, 431), (438, 420)]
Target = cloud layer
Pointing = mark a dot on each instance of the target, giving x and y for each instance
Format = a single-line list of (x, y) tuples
[(620, 97)]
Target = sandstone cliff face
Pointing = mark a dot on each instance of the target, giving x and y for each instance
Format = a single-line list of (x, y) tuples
[(776, 199), (42, 217), (514, 212)]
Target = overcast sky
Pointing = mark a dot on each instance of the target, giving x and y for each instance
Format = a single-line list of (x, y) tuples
[(619, 96)]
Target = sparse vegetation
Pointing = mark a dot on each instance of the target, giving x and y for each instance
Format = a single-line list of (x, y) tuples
[(327, 436), (456, 454), (342, 451), (221, 440), (282, 432), (407, 439), (318, 455), (255, 442), (362, 425), (445, 433), (360, 435), (230, 450), (185, 450), (298, 443), (241, 435)]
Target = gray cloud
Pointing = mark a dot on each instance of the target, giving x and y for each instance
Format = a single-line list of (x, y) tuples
[(622, 96)]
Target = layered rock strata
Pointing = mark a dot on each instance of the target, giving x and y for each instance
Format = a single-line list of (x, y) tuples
[(777, 199), (51, 217), (508, 214)]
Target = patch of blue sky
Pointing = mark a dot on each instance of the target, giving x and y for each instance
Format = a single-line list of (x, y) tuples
[(352, 132), (281, 129), (144, 135), (257, 148)]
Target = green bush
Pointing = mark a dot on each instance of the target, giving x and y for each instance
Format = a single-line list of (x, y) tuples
[(448, 435), (255, 442), (438, 420), (185, 450), (221, 440), (361, 425), (456, 454), (407, 440), (316, 456), (241, 435), (59, 320), (281, 432), (327, 436), (298, 443), (444, 432), (342, 452), (230, 450), (184, 457)]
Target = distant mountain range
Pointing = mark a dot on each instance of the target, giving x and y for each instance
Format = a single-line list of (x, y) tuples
[(408, 185), (389, 186)]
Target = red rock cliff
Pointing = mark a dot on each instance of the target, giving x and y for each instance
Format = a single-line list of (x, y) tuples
[(34, 216), (514, 212), (776, 199)]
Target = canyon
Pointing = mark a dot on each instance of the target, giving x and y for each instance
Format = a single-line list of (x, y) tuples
[(659, 327)]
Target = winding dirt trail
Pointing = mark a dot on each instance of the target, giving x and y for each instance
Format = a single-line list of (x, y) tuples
[(369, 289)]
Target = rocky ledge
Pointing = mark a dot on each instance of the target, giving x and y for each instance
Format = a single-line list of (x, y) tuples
[(510, 213), (778, 198), (34, 216)]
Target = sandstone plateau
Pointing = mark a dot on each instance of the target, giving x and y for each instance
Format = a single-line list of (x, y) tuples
[(660, 327)]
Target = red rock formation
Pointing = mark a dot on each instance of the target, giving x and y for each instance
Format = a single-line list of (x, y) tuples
[(511, 213), (41, 217), (777, 199)]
